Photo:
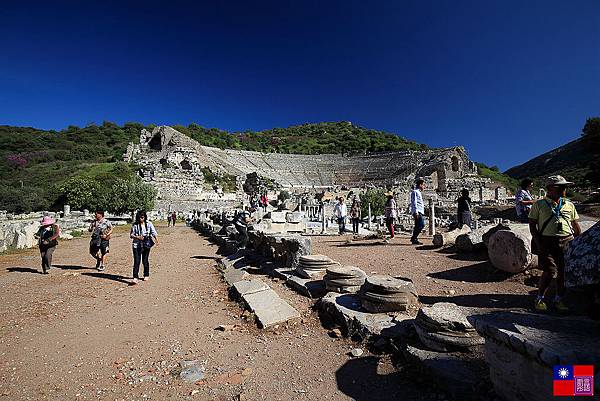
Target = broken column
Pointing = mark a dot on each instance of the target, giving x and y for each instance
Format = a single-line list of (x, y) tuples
[(313, 265), (448, 238), (510, 250), (472, 241), (431, 217), (344, 279), (382, 293), (443, 327)]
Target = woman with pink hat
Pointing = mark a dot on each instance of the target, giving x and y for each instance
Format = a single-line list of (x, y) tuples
[(48, 240)]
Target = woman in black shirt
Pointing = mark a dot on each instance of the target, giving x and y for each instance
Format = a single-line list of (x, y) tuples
[(464, 209)]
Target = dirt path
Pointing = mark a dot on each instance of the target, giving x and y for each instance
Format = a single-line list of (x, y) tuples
[(78, 334), (439, 275)]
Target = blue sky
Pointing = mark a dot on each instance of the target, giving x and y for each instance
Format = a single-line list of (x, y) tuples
[(506, 79)]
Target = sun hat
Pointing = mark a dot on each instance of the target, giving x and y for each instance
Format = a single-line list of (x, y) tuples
[(47, 221), (389, 193), (556, 180)]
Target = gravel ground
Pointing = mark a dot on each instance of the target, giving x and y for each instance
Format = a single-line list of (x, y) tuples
[(78, 334), (439, 275)]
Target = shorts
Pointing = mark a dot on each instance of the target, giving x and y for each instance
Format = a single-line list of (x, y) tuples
[(551, 255), (101, 247)]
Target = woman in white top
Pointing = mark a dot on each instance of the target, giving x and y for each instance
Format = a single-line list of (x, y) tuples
[(144, 237)]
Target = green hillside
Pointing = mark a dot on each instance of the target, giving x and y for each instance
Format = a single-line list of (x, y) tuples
[(35, 163), (327, 137), (578, 161)]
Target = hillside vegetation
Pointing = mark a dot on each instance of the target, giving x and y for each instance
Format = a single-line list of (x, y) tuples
[(310, 139), (578, 161), (35, 164)]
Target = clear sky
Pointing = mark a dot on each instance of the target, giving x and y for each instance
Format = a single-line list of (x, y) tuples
[(506, 79)]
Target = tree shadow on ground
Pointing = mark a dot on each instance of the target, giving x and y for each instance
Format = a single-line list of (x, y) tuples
[(24, 270), (204, 257), (108, 276), (484, 300), (359, 379), (482, 272)]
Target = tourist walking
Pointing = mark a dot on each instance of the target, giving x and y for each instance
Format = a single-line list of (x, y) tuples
[(173, 218), (464, 215), (390, 213), (340, 212), (101, 230), (355, 215), (241, 221), (169, 218), (47, 237), (417, 209), (524, 200), (144, 237), (553, 224), (264, 200)]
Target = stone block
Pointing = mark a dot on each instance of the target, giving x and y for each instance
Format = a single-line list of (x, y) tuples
[(278, 217), (269, 309), (312, 288), (246, 287), (519, 342), (232, 276)]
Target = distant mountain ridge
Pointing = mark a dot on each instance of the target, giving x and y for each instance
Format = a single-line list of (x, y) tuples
[(578, 161)]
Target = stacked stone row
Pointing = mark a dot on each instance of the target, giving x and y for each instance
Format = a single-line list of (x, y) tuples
[(344, 279), (443, 327), (310, 266), (382, 293)]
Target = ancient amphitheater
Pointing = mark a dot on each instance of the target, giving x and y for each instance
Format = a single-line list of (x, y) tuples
[(173, 161)]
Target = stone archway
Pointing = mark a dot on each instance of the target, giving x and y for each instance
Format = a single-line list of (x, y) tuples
[(185, 164), (155, 143), (455, 163)]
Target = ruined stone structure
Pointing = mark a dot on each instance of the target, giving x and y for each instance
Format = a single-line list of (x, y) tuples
[(172, 162)]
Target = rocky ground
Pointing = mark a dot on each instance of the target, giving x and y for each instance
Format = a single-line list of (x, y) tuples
[(439, 275), (79, 334)]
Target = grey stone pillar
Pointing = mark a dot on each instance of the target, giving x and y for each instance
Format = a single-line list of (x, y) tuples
[(431, 217), (66, 210), (370, 217), (323, 228)]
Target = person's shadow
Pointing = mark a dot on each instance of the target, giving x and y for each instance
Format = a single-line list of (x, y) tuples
[(24, 270), (108, 276)]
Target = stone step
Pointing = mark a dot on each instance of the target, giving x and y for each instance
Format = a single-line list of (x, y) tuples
[(266, 305), (309, 287), (247, 287), (269, 309)]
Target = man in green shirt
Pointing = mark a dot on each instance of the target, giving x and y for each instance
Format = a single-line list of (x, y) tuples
[(553, 223)]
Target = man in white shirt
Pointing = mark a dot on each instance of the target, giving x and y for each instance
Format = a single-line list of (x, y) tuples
[(340, 212), (417, 209)]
